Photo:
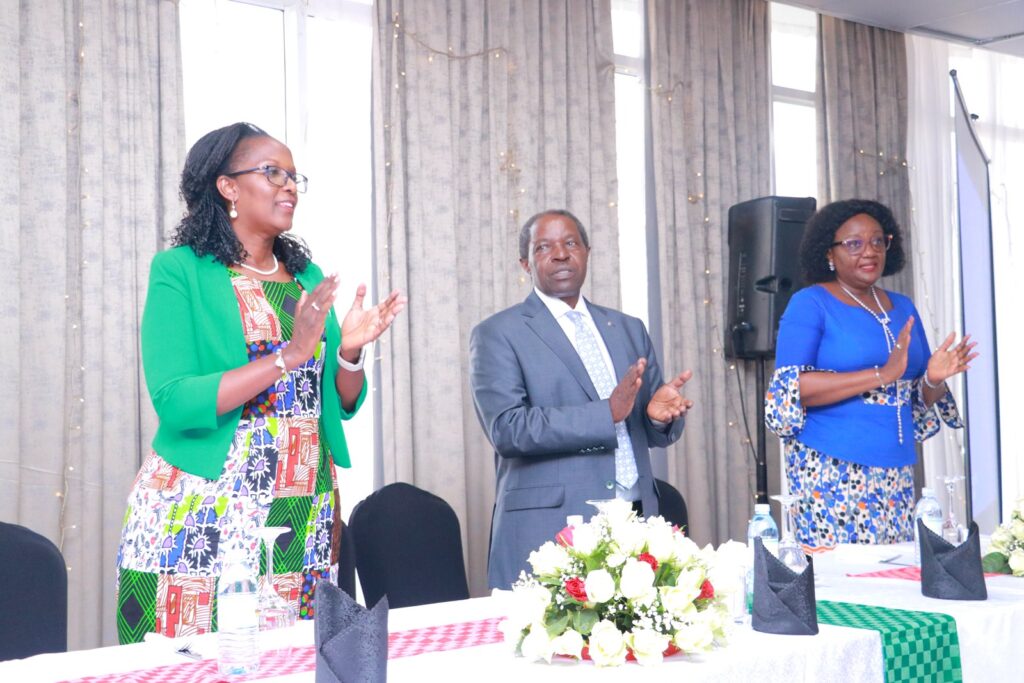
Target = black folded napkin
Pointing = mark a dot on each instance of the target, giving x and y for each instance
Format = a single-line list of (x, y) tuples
[(951, 572), (783, 600), (351, 641)]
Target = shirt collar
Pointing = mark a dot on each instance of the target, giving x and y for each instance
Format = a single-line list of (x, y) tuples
[(559, 308)]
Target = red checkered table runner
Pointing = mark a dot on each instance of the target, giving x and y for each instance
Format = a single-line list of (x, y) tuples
[(293, 660), (909, 573)]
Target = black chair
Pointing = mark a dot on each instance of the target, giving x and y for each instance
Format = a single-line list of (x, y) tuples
[(33, 594), (671, 505), (408, 547), (347, 562)]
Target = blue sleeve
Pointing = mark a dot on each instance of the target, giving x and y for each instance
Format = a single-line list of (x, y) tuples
[(800, 331)]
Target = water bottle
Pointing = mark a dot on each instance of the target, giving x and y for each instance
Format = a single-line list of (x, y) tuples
[(928, 510), (761, 525), (237, 616)]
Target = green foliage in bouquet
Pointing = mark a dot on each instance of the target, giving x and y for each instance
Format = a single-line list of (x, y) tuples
[(1006, 546)]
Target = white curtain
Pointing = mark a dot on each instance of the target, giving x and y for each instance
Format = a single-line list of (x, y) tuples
[(933, 219), (91, 141)]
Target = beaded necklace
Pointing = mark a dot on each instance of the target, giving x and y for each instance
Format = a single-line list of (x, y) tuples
[(890, 341)]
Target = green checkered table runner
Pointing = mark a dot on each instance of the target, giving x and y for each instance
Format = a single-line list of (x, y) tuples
[(917, 646)]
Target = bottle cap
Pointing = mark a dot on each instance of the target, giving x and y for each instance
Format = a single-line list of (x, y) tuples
[(761, 509)]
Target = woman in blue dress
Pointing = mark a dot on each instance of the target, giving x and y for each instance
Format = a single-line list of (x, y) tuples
[(855, 383)]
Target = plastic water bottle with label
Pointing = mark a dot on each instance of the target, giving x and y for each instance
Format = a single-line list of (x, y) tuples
[(237, 616), (761, 525), (928, 510)]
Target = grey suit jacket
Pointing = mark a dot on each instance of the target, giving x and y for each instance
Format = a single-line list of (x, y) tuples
[(553, 436)]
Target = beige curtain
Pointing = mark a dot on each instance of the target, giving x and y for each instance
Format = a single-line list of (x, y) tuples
[(862, 123), (710, 104), (484, 113), (91, 136)]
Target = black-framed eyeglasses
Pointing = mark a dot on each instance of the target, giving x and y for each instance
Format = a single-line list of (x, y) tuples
[(855, 245), (276, 175)]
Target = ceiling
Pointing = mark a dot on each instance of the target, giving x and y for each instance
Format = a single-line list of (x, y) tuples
[(993, 24)]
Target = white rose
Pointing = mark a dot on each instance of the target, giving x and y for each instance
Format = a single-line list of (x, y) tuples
[(629, 536), (1000, 540), (1017, 529), (648, 646), (549, 560), (685, 549), (585, 539), (691, 579), (527, 605), (607, 645), (637, 579), (569, 643), (696, 636), (679, 601), (600, 586), (660, 541), (1017, 562), (615, 559), (538, 644)]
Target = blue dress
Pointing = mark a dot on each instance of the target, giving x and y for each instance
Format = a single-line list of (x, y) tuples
[(851, 462)]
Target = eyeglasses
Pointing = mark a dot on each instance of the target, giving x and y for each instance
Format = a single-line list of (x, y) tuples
[(855, 245), (276, 175)]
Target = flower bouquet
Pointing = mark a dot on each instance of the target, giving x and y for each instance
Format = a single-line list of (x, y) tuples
[(1006, 546), (620, 587)]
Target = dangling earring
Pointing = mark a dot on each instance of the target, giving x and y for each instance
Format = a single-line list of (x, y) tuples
[(831, 266), (233, 213)]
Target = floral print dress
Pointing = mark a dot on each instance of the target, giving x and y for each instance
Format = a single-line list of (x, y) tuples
[(842, 501), (279, 472)]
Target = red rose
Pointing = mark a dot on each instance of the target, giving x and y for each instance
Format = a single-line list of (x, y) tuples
[(707, 591), (564, 537), (649, 559), (576, 588)]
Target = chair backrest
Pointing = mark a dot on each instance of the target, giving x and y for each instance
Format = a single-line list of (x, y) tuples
[(671, 505), (408, 547), (33, 594), (347, 562)]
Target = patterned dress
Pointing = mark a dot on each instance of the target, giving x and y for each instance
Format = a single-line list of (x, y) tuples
[(842, 501), (278, 472)]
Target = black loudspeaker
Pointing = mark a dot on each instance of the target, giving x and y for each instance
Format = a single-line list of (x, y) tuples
[(764, 270)]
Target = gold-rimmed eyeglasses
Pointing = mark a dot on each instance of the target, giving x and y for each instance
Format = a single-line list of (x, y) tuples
[(276, 175)]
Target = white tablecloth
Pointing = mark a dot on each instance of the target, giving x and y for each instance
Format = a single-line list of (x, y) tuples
[(989, 633)]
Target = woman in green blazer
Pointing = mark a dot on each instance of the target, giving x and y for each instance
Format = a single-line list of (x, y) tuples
[(250, 374)]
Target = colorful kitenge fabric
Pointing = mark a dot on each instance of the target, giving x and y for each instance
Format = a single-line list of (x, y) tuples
[(842, 501), (279, 472)]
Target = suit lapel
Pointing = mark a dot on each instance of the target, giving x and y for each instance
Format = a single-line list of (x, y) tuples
[(539, 319)]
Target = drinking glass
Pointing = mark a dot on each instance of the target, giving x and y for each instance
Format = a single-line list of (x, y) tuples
[(952, 531), (275, 611), (791, 553)]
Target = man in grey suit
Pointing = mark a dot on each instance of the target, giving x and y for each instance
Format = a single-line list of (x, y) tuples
[(571, 398)]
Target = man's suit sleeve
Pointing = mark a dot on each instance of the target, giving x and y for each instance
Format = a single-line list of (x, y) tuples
[(656, 436), (513, 424)]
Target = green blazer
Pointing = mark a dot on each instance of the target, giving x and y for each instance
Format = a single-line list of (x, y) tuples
[(191, 335)]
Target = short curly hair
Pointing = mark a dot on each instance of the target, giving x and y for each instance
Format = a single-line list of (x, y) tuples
[(821, 229), (205, 226)]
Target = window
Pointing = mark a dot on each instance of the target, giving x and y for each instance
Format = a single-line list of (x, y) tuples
[(794, 49), (274, 63), (630, 130)]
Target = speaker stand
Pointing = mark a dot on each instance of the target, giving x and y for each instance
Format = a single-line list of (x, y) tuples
[(761, 462)]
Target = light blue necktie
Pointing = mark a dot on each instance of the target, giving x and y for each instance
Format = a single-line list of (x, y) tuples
[(601, 376)]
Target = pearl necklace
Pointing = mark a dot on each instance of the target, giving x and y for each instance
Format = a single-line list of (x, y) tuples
[(270, 271), (882, 319)]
